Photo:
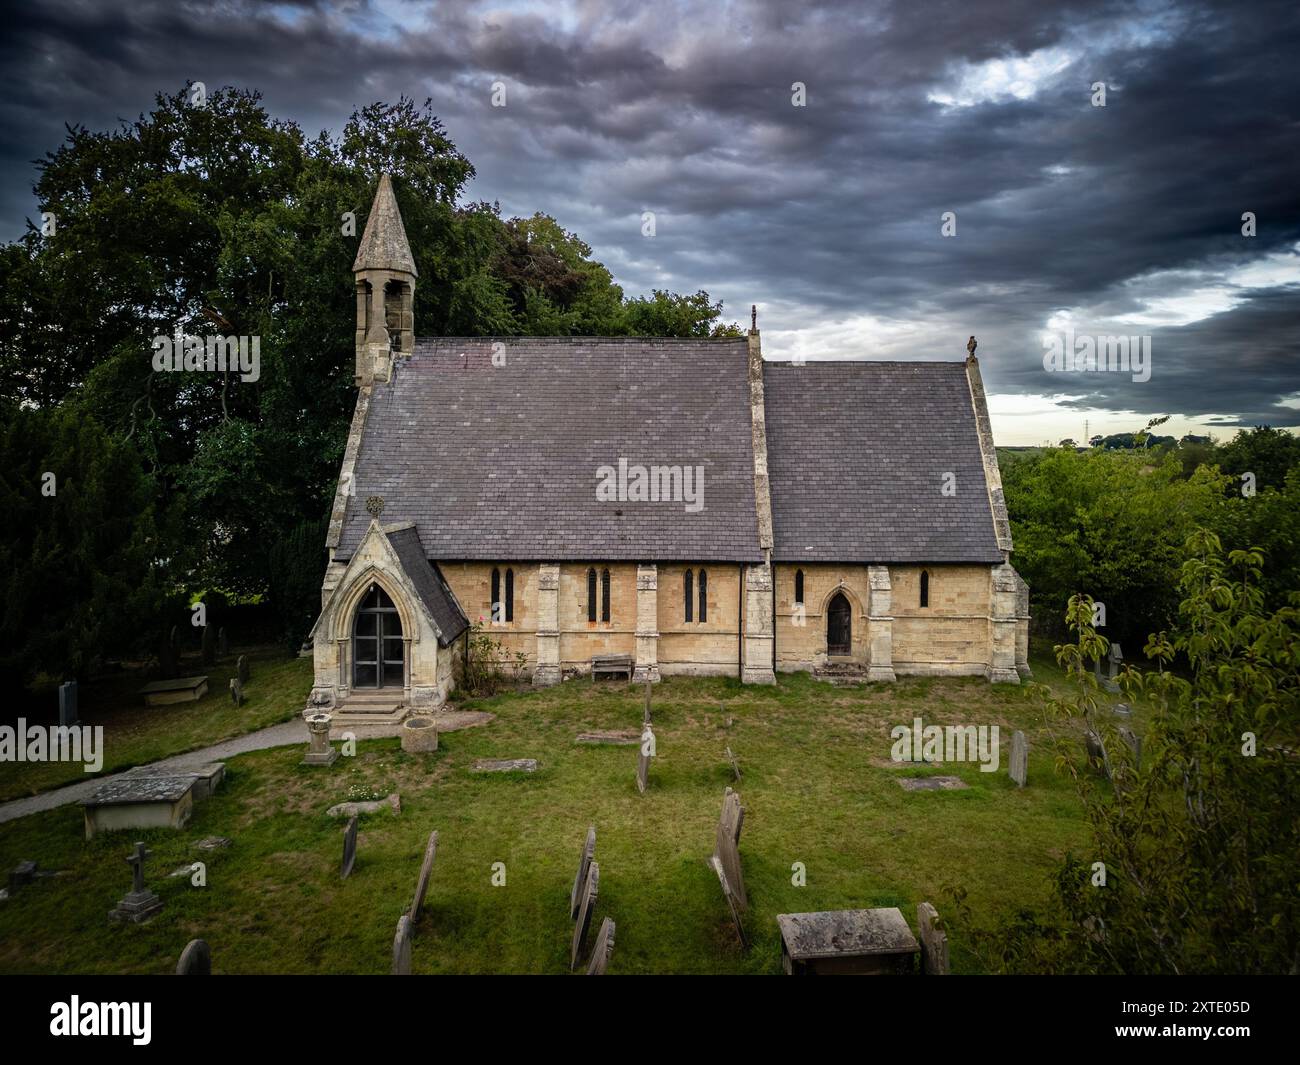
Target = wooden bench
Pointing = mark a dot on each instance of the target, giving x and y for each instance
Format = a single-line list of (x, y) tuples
[(611, 666)]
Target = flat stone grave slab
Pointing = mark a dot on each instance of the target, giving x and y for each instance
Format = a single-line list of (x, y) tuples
[(847, 941), (506, 765), (207, 778), (139, 802), (623, 737), (374, 806), (181, 690), (932, 783)]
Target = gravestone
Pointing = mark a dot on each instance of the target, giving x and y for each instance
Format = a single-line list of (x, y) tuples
[(604, 948), (735, 765), (726, 845), (1096, 753), (645, 713), (196, 959), (241, 669), (585, 910), (506, 765), (223, 648), (426, 871), (643, 760), (835, 942), (584, 863), (402, 947), (1122, 710), (619, 737), (209, 645), (1019, 765), (139, 904), (934, 941), (1134, 743), (167, 659), (931, 783), (177, 690), (371, 806), (733, 904), (1116, 659), (68, 703), (349, 847), (134, 800), (236, 692), (21, 875), (319, 751)]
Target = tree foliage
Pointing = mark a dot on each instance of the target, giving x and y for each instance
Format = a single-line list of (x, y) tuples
[(1199, 838)]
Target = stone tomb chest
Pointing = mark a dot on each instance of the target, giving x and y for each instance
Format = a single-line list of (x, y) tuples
[(845, 942), (131, 801), (182, 690)]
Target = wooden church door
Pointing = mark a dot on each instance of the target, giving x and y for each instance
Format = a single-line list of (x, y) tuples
[(839, 626)]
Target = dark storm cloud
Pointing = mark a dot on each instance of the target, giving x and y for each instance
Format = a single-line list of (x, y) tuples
[(824, 214)]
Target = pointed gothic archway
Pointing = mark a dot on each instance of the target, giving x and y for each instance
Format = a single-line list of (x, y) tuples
[(378, 651), (839, 626)]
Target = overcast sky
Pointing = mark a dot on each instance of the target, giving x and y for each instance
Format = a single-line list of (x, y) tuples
[(1123, 219)]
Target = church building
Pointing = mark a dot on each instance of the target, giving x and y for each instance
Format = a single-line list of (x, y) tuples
[(684, 502)]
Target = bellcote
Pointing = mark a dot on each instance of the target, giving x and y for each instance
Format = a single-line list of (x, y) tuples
[(385, 276)]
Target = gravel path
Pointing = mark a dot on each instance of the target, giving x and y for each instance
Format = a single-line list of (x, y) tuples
[(285, 734)]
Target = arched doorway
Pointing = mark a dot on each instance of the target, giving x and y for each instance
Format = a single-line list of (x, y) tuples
[(839, 626), (378, 659)]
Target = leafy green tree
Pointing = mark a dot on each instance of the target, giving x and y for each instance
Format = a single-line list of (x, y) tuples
[(1111, 524), (1267, 453), (80, 547), (668, 314), (1199, 838)]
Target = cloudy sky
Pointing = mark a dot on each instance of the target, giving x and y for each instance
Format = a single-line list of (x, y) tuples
[(1115, 220)]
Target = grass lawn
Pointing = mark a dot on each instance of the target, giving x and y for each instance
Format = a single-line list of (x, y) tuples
[(818, 788), (135, 734)]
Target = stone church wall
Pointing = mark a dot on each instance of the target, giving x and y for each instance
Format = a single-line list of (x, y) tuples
[(711, 648), (951, 635)]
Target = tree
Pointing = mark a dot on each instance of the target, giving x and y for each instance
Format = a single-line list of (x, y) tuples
[(1111, 524), (1198, 840), (1267, 453), (80, 546)]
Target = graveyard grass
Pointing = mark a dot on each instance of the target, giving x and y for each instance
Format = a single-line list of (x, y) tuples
[(818, 788), (135, 734)]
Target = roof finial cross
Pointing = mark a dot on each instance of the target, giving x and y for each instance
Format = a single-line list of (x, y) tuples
[(971, 345), (753, 317)]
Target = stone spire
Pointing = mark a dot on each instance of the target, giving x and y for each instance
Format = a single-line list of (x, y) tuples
[(385, 273), (383, 244)]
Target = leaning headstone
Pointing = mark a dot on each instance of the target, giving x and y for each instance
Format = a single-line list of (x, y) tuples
[(209, 645), (223, 648), (402, 947), (1134, 743), (139, 904), (732, 902), (934, 941), (1019, 767), (735, 765), (643, 760), (196, 959), (1092, 744), (241, 669), (587, 905), (584, 863), (68, 703), (349, 847), (236, 692), (726, 846), (319, 751), (426, 871), (604, 948)]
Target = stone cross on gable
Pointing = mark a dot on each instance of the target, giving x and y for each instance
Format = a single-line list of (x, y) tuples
[(971, 345), (136, 862)]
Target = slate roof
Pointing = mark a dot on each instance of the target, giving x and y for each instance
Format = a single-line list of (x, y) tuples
[(435, 593), (856, 457), (500, 462)]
